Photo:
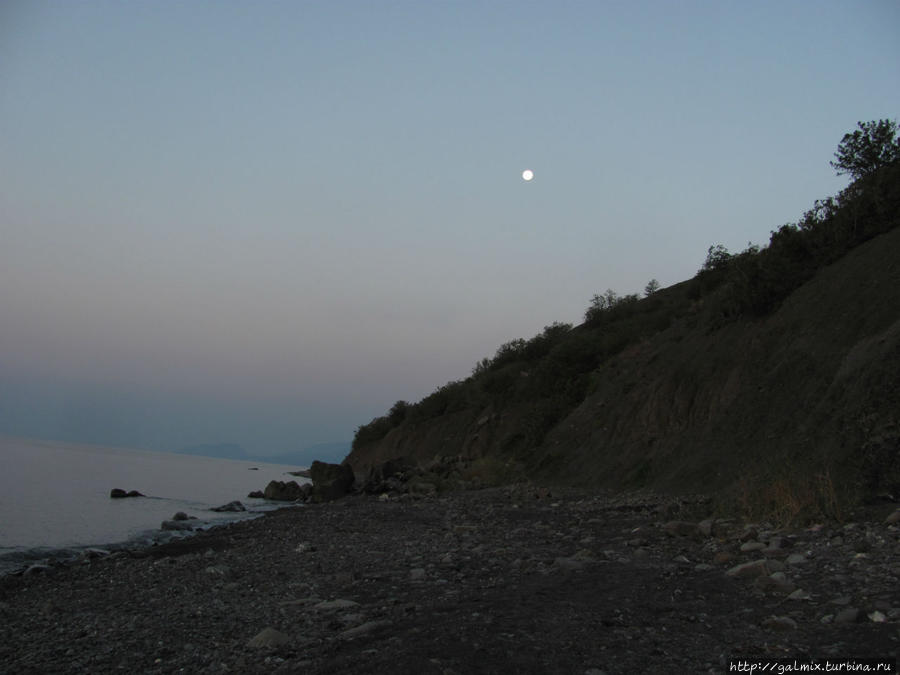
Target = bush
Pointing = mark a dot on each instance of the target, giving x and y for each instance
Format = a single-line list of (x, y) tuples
[(759, 279), (375, 430), (651, 288), (560, 360), (871, 147)]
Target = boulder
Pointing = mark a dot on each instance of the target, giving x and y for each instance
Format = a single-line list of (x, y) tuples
[(330, 481), (117, 493), (256, 494), (389, 476), (280, 491), (181, 515), (229, 507), (754, 568), (393, 468)]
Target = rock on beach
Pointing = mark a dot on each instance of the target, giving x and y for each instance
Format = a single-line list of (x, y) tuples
[(282, 491), (118, 493), (230, 507), (330, 481), (479, 581)]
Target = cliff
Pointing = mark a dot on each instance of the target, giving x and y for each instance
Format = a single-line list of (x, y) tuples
[(795, 389)]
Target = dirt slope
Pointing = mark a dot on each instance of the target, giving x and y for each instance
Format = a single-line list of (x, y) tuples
[(811, 390), (816, 386)]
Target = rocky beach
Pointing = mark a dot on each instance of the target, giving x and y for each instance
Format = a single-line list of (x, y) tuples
[(513, 579)]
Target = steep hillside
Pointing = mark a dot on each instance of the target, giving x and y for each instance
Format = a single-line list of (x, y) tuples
[(814, 387), (773, 376)]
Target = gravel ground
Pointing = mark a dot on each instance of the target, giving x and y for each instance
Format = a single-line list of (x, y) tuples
[(502, 580)]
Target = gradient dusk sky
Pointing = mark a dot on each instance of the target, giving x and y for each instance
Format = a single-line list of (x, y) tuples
[(265, 222)]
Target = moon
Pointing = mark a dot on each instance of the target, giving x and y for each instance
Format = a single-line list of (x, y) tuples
[(527, 174)]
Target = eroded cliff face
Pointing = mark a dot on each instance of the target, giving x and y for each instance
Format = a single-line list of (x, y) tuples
[(815, 386)]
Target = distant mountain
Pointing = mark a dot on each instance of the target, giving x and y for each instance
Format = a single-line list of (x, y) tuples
[(326, 452), (221, 450)]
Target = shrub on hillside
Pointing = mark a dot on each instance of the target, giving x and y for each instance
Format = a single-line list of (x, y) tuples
[(552, 371), (871, 147)]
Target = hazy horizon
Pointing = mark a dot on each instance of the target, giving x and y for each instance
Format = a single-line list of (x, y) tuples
[(265, 223)]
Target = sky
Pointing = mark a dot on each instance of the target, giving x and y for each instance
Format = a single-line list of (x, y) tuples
[(264, 223)]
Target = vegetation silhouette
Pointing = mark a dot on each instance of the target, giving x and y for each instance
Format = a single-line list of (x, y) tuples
[(552, 373)]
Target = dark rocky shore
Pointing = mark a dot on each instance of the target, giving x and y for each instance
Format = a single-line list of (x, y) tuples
[(500, 580)]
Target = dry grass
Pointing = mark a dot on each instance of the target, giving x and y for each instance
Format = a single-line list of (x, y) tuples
[(790, 500)]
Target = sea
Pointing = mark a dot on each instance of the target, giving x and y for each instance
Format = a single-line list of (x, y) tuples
[(55, 503)]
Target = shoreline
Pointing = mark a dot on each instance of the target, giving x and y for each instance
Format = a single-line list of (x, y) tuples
[(497, 580), (17, 561)]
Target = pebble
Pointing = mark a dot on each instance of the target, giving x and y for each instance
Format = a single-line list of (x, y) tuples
[(268, 637), (782, 623), (569, 564), (300, 602), (364, 628), (94, 553), (222, 571), (847, 615), (680, 528), (754, 568), (38, 568), (480, 599), (775, 582), (749, 534), (799, 594), (333, 605)]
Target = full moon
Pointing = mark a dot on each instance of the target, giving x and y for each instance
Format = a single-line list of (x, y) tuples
[(527, 174)]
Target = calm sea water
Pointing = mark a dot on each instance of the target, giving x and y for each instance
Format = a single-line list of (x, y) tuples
[(56, 496)]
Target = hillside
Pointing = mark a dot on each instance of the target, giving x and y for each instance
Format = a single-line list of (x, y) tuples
[(814, 388), (773, 376)]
